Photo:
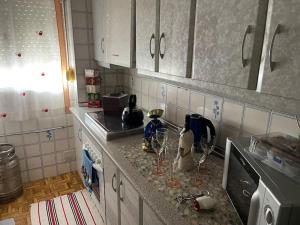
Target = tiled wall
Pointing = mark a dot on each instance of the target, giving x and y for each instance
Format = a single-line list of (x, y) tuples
[(42, 154), (231, 118)]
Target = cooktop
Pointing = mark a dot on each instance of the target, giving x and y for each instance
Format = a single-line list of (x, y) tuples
[(110, 127)]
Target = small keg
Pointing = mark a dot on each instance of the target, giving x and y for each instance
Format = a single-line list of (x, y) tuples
[(10, 176)]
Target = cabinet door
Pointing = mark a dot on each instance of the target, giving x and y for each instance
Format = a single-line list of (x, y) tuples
[(146, 34), (78, 144), (111, 190), (175, 17), (120, 30), (282, 50), (228, 41), (149, 217), (99, 29), (129, 200)]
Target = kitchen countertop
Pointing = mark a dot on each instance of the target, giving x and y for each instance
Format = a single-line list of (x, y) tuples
[(137, 166)]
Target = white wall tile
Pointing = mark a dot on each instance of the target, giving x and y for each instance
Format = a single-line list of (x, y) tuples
[(153, 88), (162, 105), (61, 145), (12, 127), (31, 139), (61, 134), (145, 87), (35, 174), (59, 157), (20, 152), (29, 125), (45, 122), (16, 140), (2, 131), (24, 176), (78, 5), (50, 171), (232, 114), (32, 150), (71, 142), (171, 113), (44, 136), (80, 36), (181, 116), (255, 121), (60, 121), (161, 91), (47, 147), (63, 168), (79, 20), (213, 107), (22, 164), (137, 84), (34, 162), (145, 102), (70, 132), (284, 124), (69, 118), (152, 103), (197, 102), (82, 51), (227, 132), (49, 159), (171, 94), (183, 98)]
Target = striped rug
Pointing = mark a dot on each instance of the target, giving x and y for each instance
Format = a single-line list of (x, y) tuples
[(73, 209)]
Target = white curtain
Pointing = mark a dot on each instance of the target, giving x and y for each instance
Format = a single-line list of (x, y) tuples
[(30, 69)]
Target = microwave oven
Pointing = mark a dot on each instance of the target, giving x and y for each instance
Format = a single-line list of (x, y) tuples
[(260, 194)]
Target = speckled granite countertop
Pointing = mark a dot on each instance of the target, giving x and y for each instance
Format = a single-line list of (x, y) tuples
[(137, 166)]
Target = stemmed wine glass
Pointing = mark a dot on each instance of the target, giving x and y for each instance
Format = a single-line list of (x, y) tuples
[(159, 144), (201, 156)]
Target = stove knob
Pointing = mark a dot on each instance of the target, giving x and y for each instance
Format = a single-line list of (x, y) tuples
[(269, 215)]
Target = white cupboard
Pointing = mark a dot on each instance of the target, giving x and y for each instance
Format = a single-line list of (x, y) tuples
[(149, 217)]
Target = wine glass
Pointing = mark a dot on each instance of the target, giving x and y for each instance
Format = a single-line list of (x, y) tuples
[(158, 143), (201, 152)]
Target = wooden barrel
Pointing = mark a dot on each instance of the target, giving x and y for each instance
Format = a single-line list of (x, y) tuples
[(10, 176)]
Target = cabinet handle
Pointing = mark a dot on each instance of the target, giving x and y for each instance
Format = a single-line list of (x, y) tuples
[(150, 46), (115, 55), (160, 53), (248, 31), (121, 192), (113, 181), (102, 40), (277, 31), (79, 134), (246, 193)]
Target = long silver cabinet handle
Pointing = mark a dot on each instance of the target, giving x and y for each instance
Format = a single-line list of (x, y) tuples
[(272, 63), (248, 31), (121, 192), (162, 36), (102, 40), (113, 181), (150, 46)]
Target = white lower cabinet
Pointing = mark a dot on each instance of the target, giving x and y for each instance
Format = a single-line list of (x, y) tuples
[(129, 202), (111, 178), (149, 217)]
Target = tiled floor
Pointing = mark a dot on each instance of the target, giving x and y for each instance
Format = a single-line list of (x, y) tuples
[(38, 191)]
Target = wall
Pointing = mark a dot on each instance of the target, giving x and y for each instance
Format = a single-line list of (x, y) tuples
[(39, 155), (231, 118)]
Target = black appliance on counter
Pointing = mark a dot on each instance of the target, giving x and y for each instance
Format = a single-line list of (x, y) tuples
[(132, 115)]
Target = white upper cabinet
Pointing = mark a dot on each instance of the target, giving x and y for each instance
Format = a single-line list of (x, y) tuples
[(146, 35), (113, 22), (175, 49), (280, 68), (164, 32), (121, 32), (228, 41), (99, 27)]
